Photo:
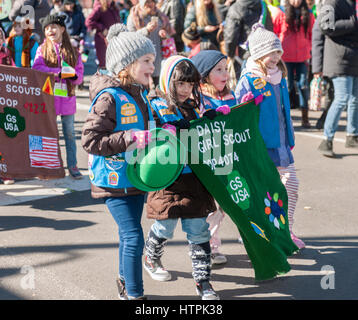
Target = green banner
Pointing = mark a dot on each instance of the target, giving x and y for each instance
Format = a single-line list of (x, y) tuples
[(230, 158)]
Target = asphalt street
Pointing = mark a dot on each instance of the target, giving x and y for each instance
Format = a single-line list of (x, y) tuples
[(56, 242)]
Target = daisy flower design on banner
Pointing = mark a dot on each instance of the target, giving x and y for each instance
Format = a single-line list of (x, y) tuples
[(274, 210)]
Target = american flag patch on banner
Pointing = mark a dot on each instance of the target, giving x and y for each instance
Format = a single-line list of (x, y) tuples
[(44, 152)]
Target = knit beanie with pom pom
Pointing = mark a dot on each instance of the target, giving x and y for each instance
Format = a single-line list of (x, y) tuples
[(125, 47), (262, 42)]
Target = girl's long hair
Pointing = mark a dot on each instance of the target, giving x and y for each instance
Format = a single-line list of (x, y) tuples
[(281, 65), (68, 52), (296, 21), (202, 14), (184, 71)]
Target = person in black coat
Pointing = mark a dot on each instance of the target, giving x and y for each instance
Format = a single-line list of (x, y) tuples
[(75, 20), (337, 58), (241, 16)]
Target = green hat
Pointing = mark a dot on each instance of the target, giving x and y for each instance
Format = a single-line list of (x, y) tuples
[(159, 164)]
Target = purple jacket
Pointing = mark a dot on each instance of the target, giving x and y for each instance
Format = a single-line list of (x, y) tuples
[(63, 105), (102, 20)]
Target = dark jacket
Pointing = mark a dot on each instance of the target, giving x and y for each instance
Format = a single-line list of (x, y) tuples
[(97, 132), (186, 197), (339, 27), (242, 15), (75, 22)]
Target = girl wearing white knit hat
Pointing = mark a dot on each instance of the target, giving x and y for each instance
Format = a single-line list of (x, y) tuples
[(263, 79)]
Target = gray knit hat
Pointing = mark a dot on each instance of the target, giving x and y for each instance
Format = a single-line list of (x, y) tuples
[(262, 42), (125, 47)]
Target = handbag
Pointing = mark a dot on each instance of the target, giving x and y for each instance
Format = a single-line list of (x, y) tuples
[(168, 47), (315, 94)]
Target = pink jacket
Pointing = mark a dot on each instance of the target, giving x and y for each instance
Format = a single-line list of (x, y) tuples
[(296, 45), (63, 105)]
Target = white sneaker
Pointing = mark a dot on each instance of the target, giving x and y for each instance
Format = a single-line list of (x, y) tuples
[(8, 181), (218, 258), (156, 270), (206, 291)]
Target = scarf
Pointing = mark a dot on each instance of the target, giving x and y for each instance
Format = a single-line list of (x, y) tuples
[(274, 76)]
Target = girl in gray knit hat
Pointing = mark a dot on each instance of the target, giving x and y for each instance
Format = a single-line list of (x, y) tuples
[(119, 118), (263, 79)]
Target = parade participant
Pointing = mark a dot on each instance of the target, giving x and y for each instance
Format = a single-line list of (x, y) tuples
[(106, 136), (5, 59), (22, 43), (264, 78), (187, 199), (212, 65), (52, 56)]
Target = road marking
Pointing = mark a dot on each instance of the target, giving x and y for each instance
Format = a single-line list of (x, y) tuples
[(317, 136)]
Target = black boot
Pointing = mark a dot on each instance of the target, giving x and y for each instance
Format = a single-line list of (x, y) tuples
[(305, 121), (326, 148)]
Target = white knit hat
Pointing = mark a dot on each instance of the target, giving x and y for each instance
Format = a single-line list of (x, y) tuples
[(262, 42), (125, 47)]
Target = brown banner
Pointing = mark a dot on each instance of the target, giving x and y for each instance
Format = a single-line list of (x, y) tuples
[(29, 140)]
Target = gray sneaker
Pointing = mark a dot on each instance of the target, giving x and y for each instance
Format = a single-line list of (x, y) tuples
[(156, 269), (75, 173), (326, 148), (352, 142)]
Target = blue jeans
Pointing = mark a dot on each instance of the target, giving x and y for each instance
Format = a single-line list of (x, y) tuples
[(68, 128), (197, 229), (300, 68), (127, 212), (345, 95)]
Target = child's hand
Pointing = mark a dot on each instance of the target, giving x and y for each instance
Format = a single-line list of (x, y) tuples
[(162, 33), (247, 96), (181, 124), (225, 109), (211, 114), (142, 138), (172, 129), (259, 99)]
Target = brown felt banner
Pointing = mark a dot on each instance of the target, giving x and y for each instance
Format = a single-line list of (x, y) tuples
[(29, 144)]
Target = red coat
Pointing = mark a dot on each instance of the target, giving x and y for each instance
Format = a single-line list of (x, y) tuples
[(296, 45)]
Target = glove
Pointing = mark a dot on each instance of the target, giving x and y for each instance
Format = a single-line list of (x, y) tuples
[(247, 96), (142, 138), (259, 99), (75, 77), (225, 109), (211, 114), (171, 128), (180, 124), (72, 78)]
